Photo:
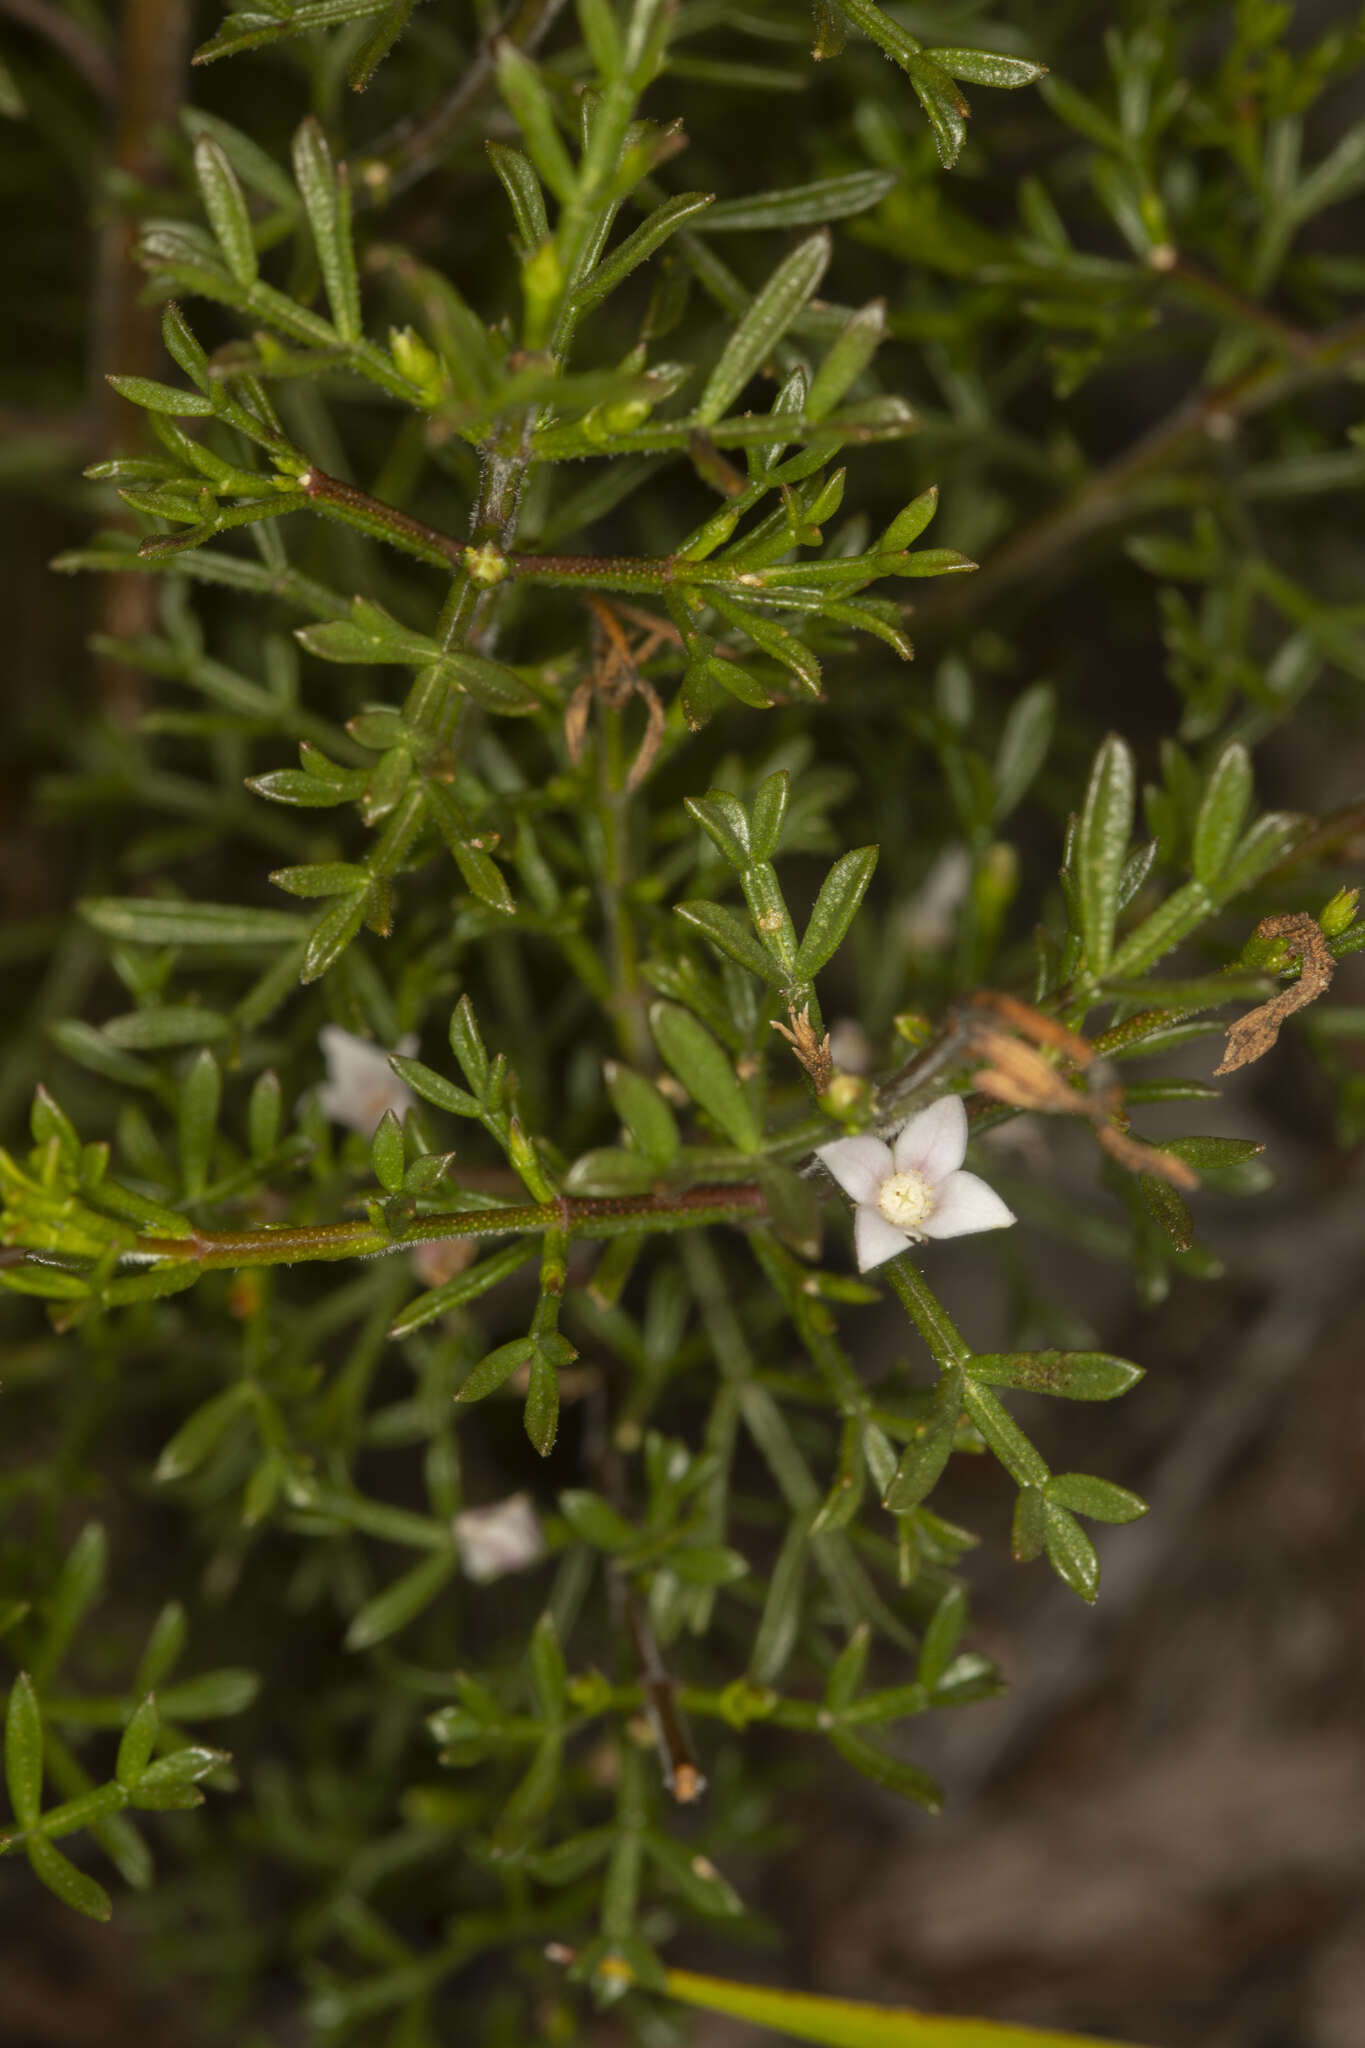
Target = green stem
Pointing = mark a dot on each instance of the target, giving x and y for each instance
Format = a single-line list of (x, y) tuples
[(928, 1314), (577, 1216), (627, 1005)]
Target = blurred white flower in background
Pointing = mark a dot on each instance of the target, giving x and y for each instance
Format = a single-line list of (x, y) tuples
[(504, 1537), (928, 922), (850, 1048), (360, 1083)]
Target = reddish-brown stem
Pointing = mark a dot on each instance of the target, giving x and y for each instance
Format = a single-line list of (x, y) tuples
[(576, 1215)]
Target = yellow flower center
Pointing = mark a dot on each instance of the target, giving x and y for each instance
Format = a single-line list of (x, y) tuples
[(906, 1200)]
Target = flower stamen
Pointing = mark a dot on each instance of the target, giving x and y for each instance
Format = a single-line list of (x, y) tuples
[(907, 1201)]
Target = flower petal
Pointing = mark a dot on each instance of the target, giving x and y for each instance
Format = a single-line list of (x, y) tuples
[(860, 1165), (964, 1203), (874, 1239), (934, 1142)]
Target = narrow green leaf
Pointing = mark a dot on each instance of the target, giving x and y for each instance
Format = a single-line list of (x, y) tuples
[(139, 1740), (647, 1115), (1170, 1209), (71, 1885), (326, 194), (707, 1564), (802, 206), (1208, 1154), (1222, 813), (842, 2023), (988, 67), (907, 526), (1023, 746), (1098, 1498), (332, 934), (165, 1025), (725, 822), (706, 1073), (927, 1453), (654, 230), (433, 1087), (1029, 1531), (941, 1637), (518, 178), (163, 1785), (836, 907), (532, 109), (1262, 847), (401, 1602), (540, 1416), (491, 683), (1101, 845), (847, 1671), (944, 105), (378, 43), (386, 1153), (726, 929), (24, 1752), (609, 1170), (1075, 1375), (263, 1115), (200, 1434), (154, 397), (767, 815), (466, 1286), (213, 1696), (226, 209), (155, 921), (1070, 1551), (79, 1585), (197, 1106), (1004, 1435), (164, 1647), (495, 1368), (780, 1620), (596, 1521), (306, 792), (847, 356), (892, 1773), (695, 1876), (549, 1673), (763, 324), (183, 347), (519, 1819)]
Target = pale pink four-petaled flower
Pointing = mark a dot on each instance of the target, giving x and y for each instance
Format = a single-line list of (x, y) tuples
[(914, 1187)]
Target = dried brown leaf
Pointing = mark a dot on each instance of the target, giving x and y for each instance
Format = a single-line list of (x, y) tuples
[(1252, 1036)]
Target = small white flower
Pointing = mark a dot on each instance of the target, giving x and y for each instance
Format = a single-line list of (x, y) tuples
[(504, 1537), (360, 1083), (915, 1187)]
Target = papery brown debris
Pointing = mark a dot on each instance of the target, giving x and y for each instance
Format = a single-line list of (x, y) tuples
[(1018, 1074), (813, 1053), (615, 677), (1252, 1036)]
